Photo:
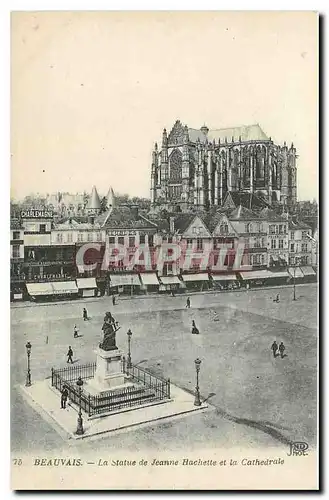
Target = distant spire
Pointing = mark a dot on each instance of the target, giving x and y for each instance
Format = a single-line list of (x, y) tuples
[(94, 202), (110, 198)]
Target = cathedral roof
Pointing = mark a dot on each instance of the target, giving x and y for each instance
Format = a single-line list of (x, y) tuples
[(248, 200), (242, 213), (246, 132), (94, 202)]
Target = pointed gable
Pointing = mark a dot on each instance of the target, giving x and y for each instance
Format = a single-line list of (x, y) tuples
[(110, 198), (223, 227), (197, 229)]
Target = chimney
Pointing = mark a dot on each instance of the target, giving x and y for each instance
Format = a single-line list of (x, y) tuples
[(91, 219), (134, 210)]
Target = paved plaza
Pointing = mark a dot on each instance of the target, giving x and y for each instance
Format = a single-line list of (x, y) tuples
[(257, 400)]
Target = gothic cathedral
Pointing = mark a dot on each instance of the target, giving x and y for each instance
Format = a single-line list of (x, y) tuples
[(196, 168)]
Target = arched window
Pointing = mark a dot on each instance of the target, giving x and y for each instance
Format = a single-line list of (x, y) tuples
[(175, 165)]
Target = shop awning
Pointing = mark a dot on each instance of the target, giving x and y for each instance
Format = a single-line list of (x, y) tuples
[(223, 277), (86, 283), (256, 275), (63, 287), (308, 271), (298, 271), (170, 280), (279, 274), (196, 277), (35, 289), (149, 279), (124, 279)]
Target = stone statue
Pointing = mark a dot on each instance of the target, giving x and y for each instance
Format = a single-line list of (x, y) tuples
[(110, 327)]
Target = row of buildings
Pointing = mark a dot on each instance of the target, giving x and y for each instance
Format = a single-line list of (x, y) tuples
[(45, 249)]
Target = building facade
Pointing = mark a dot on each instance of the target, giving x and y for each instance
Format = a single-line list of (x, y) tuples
[(195, 169)]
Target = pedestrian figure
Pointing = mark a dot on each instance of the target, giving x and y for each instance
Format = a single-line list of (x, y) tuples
[(274, 348), (64, 396), (188, 303), (172, 293), (85, 314), (194, 328), (113, 300), (75, 331), (277, 299), (69, 355), (282, 349)]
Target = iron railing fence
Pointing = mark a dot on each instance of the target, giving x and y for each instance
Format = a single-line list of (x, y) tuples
[(148, 388)]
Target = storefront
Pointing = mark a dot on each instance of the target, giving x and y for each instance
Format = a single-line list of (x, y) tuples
[(225, 281), (150, 282), (171, 284), (196, 282), (309, 274), (264, 277), (87, 287), (124, 283)]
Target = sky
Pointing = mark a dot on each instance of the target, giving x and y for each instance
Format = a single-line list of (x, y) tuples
[(92, 91)]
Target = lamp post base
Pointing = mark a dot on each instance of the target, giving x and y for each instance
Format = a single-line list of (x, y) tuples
[(28, 381), (80, 429), (197, 401)]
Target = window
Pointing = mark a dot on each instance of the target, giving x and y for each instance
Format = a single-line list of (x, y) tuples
[(90, 236), (199, 244), (131, 241), (69, 237), (42, 228), (59, 237), (272, 229), (200, 229), (189, 243), (16, 251), (223, 229), (121, 240), (248, 228), (292, 247), (99, 236), (141, 238), (194, 230), (280, 229), (169, 268), (273, 243), (246, 243), (292, 235), (263, 243), (304, 234), (257, 243), (151, 242), (285, 229), (80, 236), (16, 235), (111, 240), (304, 247), (280, 243), (260, 228), (262, 259)]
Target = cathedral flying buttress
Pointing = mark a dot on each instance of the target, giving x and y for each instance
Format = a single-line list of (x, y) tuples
[(196, 168)]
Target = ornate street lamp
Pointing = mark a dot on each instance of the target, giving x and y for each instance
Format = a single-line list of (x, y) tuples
[(28, 375), (197, 401), (80, 423), (129, 333)]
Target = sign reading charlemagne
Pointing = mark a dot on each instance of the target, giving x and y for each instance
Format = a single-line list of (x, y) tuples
[(36, 214)]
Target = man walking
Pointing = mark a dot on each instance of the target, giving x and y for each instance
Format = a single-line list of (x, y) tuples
[(64, 396), (188, 303), (282, 349), (113, 300), (194, 328), (85, 314), (274, 348), (69, 355), (75, 331)]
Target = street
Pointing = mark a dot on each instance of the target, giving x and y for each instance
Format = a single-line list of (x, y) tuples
[(259, 401)]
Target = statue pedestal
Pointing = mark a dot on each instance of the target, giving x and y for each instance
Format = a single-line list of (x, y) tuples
[(108, 373)]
